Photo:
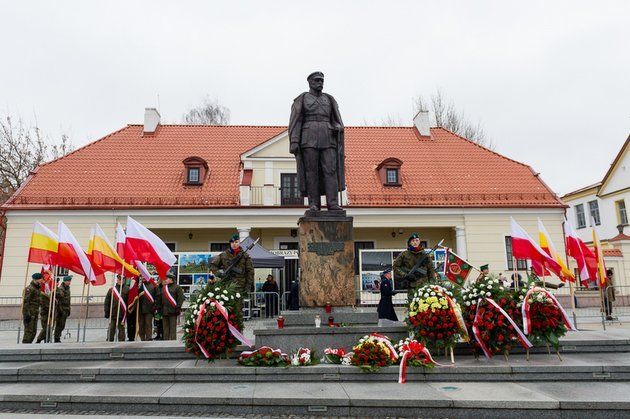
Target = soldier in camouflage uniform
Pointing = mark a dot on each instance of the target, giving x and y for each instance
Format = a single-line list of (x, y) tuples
[(62, 311), (30, 307), (405, 262), (117, 314), (243, 272), (170, 310), (147, 308), (44, 307)]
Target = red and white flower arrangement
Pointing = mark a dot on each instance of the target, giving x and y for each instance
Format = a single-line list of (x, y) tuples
[(373, 352), (544, 319), (264, 357), (303, 357), (334, 356)]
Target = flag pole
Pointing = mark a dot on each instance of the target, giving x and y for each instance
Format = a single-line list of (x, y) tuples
[(28, 264), (84, 309), (601, 298), (51, 310), (87, 308), (571, 285)]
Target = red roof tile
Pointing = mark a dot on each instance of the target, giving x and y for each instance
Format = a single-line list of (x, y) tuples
[(612, 252), (125, 169)]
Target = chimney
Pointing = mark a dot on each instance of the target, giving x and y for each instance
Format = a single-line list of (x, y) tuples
[(151, 120), (421, 121)]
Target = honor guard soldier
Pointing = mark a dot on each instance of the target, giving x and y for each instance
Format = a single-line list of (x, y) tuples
[(30, 307), (405, 263), (62, 310)]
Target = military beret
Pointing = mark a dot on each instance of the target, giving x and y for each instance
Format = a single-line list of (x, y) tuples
[(37, 275), (234, 238), (483, 267), (386, 271), (170, 274), (315, 74), (67, 278), (413, 236)]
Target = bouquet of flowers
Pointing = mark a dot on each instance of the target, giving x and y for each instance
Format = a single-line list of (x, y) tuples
[(489, 312), (264, 357), (544, 319), (414, 354), (304, 356), (213, 322), (435, 318), (334, 356), (373, 352)]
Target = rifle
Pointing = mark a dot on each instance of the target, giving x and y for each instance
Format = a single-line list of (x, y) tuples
[(411, 275), (226, 273)]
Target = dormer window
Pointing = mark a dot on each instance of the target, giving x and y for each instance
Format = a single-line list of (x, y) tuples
[(196, 170), (389, 172)]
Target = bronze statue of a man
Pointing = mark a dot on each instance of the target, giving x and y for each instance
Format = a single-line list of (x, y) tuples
[(316, 135)]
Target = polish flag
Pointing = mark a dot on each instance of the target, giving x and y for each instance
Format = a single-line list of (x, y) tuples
[(599, 255), (547, 245), (523, 247), (149, 247), (577, 249), (71, 256), (128, 253)]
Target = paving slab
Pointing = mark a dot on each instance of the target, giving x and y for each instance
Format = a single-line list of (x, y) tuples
[(300, 393), (119, 393), (494, 395), (37, 392), (209, 393), (607, 395), (394, 394)]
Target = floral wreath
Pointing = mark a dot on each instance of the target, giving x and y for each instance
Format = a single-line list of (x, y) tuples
[(373, 352), (544, 319)]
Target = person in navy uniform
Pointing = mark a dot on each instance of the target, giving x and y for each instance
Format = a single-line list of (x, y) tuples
[(385, 305)]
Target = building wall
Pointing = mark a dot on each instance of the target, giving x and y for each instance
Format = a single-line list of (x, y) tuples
[(484, 230)]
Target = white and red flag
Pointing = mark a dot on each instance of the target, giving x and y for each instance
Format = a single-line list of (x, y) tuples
[(599, 255), (547, 245), (149, 247), (578, 250), (71, 256), (128, 253), (523, 247)]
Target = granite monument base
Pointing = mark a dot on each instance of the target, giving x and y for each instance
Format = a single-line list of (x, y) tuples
[(326, 260)]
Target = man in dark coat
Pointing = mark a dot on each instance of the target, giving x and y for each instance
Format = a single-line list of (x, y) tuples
[(385, 305), (170, 298), (30, 307), (405, 262), (243, 272), (62, 308), (317, 142), (270, 288)]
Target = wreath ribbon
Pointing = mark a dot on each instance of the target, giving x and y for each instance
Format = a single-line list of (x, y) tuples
[(525, 310), (202, 310), (407, 349)]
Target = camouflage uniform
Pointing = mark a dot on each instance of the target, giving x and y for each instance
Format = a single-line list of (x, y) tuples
[(115, 313), (242, 274), (405, 263), (170, 313), (147, 308), (44, 307), (30, 310), (62, 311)]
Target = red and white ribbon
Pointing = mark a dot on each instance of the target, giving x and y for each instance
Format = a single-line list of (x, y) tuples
[(458, 315), (393, 355), (477, 334), (202, 311), (123, 306), (169, 297), (238, 335), (525, 310), (408, 349), (147, 294), (519, 334)]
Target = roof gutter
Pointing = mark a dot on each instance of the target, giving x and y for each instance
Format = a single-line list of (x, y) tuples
[(3, 227)]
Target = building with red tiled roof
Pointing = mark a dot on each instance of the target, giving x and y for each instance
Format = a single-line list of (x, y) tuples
[(195, 185)]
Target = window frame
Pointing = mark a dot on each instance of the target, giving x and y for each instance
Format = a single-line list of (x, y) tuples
[(593, 211), (190, 171), (395, 172), (521, 264), (297, 199), (622, 213), (579, 211)]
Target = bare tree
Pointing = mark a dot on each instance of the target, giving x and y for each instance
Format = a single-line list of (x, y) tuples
[(446, 115), (22, 149), (208, 113)]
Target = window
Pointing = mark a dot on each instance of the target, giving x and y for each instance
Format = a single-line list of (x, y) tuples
[(593, 209), (579, 215), (357, 247), (196, 170), (219, 247), (392, 176), (171, 246), (289, 191), (521, 264), (622, 214), (389, 172), (193, 175)]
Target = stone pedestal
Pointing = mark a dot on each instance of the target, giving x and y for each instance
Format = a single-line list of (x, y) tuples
[(326, 260)]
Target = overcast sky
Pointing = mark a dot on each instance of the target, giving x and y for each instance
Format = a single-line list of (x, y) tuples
[(548, 80)]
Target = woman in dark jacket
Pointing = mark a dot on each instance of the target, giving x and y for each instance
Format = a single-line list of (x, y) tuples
[(270, 288), (385, 305)]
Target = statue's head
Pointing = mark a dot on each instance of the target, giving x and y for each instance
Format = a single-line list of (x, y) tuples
[(316, 81)]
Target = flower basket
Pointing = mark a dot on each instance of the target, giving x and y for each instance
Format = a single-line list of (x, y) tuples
[(303, 357), (435, 318), (373, 352), (264, 357), (213, 322), (544, 319)]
